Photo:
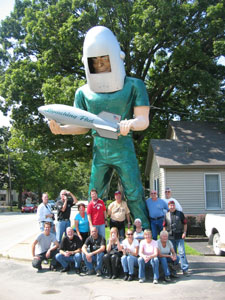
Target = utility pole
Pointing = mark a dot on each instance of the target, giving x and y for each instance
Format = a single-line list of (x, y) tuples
[(10, 187)]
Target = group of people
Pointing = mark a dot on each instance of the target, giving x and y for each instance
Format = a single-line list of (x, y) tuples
[(135, 249)]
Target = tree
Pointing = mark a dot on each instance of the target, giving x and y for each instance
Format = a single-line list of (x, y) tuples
[(173, 45)]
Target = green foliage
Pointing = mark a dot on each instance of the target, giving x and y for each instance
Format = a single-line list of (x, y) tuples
[(174, 46)]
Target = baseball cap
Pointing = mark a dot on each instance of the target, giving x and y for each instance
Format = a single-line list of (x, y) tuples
[(168, 189), (117, 193), (137, 220), (171, 202)]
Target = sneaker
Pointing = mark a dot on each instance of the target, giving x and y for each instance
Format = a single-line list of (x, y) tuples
[(98, 273), (125, 277), (130, 278), (77, 270), (90, 272), (64, 270), (167, 278), (186, 273), (141, 280), (114, 277), (155, 281)]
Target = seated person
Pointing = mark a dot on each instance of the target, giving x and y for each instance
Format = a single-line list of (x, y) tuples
[(167, 256), (138, 233), (96, 243), (130, 252), (70, 251), (113, 255), (42, 248), (81, 223), (148, 252)]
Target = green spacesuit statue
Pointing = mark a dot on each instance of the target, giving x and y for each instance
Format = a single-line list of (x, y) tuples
[(108, 89)]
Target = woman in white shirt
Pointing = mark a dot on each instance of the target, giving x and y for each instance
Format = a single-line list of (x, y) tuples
[(148, 253), (129, 259), (167, 255)]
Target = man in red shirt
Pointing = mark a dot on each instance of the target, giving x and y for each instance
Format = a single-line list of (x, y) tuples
[(96, 212)]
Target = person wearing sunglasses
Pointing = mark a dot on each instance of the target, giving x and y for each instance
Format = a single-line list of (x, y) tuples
[(130, 247), (156, 208)]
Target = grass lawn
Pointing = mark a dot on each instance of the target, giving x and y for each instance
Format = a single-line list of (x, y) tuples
[(188, 249)]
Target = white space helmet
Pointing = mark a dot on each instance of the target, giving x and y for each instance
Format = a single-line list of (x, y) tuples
[(100, 41)]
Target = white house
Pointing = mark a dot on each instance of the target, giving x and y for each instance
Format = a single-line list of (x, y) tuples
[(191, 161)]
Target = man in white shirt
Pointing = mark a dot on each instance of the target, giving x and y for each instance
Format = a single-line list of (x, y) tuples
[(168, 193), (45, 214)]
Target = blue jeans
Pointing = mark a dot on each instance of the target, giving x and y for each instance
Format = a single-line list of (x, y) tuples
[(64, 260), (164, 262), (156, 227), (179, 246), (101, 229), (61, 228), (95, 259), (155, 266), (128, 263)]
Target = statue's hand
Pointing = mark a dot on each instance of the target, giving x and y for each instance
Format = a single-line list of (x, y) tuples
[(125, 126), (54, 127)]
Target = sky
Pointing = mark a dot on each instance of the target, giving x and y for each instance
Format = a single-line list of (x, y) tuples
[(6, 6)]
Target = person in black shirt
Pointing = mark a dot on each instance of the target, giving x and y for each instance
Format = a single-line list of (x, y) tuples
[(176, 225), (93, 251), (70, 251), (63, 212)]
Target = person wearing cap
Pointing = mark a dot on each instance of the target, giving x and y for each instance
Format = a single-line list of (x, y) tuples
[(175, 224), (168, 193), (138, 233), (156, 208), (119, 212)]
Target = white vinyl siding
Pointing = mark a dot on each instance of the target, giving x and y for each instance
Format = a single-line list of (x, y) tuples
[(188, 188), (213, 191)]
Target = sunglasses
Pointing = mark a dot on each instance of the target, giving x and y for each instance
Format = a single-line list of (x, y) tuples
[(130, 234)]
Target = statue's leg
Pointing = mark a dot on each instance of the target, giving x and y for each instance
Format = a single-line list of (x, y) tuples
[(129, 173), (101, 171)]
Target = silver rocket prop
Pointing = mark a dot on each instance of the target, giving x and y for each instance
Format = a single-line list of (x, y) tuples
[(105, 123)]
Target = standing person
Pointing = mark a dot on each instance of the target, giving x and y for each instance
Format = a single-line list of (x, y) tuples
[(126, 99), (70, 251), (44, 247), (156, 207), (168, 193), (113, 255), (81, 223), (167, 256), (93, 251), (63, 212), (176, 225), (119, 212), (130, 252), (96, 212), (138, 233), (45, 214), (148, 253)]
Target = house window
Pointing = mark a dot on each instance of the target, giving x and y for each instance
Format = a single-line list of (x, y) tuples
[(213, 191), (156, 185)]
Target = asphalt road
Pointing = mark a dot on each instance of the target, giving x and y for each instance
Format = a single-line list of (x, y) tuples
[(20, 281)]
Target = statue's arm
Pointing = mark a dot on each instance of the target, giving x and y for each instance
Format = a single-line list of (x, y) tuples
[(140, 121), (66, 129)]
